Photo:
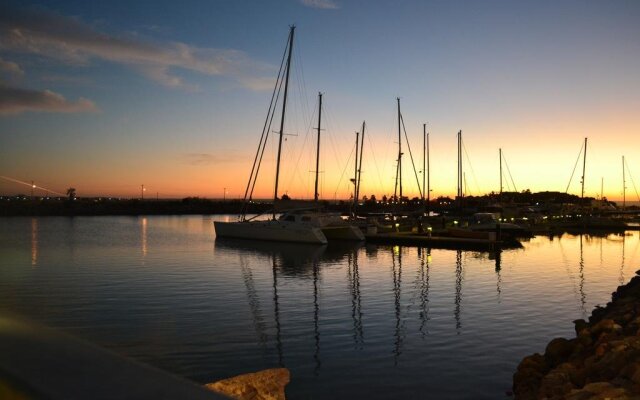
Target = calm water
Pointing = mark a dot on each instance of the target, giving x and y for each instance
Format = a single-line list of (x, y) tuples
[(348, 321)]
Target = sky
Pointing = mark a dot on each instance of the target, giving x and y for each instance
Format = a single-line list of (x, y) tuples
[(106, 97)]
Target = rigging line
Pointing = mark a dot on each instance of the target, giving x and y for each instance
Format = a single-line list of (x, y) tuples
[(265, 130), (415, 172), (375, 162), (509, 171), (296, 169), (475, 180), (302, 88), (329, 118), (390, 140), (343, 172), (506, 181), (574, 168), (330, 129), (264, 146), (303, 84), (632, 182), (301, 109)]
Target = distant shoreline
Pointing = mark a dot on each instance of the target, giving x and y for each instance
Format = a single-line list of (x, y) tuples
[(113, 207), (543, 202)]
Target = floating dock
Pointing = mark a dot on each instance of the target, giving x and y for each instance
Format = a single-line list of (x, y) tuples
[(440, 242)]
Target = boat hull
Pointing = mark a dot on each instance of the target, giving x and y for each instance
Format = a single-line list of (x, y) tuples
[(270, 230), (343, 232)]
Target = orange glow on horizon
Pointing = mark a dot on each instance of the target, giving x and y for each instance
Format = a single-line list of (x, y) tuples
[(537, 159)]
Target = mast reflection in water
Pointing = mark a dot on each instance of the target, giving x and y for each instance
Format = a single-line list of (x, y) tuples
[(348, 321)]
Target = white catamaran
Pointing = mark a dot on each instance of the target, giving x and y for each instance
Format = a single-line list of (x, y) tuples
[(289, 227)]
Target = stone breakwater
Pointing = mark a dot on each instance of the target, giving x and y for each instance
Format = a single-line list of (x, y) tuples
[(601, 362), (268, 384)]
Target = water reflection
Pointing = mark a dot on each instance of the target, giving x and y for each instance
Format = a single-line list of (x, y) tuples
[(497, 257), (292, 260), (304, 271), (276, 311), (254, 302), (143, 236), (579, 291), (34, 241), (316, 314), (356, 303), (458, 296), (397, 285), (583, 296), (606, 243), (424, 255), (324, 312), (621, 280)]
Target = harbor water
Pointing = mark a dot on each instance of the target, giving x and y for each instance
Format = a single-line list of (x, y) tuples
[(348, 320)]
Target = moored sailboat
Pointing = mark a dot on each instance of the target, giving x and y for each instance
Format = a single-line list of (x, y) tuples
[(288, 228)]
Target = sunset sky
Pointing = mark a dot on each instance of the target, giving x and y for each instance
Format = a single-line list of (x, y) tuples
[(107, 96)]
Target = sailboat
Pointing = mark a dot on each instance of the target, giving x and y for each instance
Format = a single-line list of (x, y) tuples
[(294, 227), (331, 224)]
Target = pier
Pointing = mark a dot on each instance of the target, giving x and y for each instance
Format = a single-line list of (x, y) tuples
[(440, 242)]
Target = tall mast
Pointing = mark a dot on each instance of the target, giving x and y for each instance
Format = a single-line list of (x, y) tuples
[(584, 166), (424, 158), (284, 107), (355, 175), (360, 163), (500, 155), (428, 177), (624, 187), (316, 194), (460, 165), (399, 169)]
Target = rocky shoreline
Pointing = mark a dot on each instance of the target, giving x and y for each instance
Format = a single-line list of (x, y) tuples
[(601, 362), (268, 384)]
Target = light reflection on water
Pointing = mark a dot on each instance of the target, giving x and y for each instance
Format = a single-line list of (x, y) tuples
[(348, 320)]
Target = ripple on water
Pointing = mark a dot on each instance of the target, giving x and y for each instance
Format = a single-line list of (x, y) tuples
[(374, 321)]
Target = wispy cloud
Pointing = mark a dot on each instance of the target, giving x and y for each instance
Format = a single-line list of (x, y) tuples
[(198, 159), (201, 159), (71, 41), (67, 80), (11, 68), (323, 4), (14, 100)]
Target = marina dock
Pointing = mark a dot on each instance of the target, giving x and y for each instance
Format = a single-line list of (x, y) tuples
[(440, 242)]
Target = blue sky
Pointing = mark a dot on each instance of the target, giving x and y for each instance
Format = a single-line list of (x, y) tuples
[(105, 96)]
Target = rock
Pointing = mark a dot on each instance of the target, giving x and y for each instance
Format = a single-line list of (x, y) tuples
[(527, 378), (602, 362), (605, 326), (556, 384), (599, 391), (558, 351), (580, 325), (263, 385)]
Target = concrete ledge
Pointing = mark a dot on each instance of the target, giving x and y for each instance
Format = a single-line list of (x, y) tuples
[(39, 362)]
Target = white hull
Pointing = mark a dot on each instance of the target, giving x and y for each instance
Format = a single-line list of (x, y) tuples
[(343, 232), (281, 231)]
